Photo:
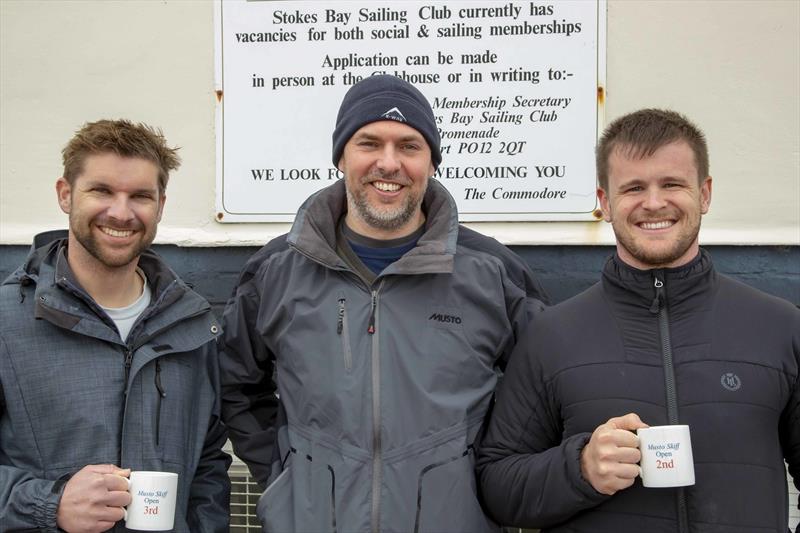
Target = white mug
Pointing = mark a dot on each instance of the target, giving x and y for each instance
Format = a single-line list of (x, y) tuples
[(153, 496), (666, 456)]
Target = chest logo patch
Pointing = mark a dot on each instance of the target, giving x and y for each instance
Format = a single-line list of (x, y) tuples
[(444, 318), (731, 381)]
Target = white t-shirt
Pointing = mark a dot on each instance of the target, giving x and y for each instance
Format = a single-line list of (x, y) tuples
[(125, 317)]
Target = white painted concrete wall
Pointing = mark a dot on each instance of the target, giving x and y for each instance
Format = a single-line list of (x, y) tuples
[(732, 66)]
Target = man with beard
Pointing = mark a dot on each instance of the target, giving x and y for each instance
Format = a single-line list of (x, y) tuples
[(661, 339), (108, 361), (383, 322)]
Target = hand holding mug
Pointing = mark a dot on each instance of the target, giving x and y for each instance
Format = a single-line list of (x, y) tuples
[(609, 460), (93, 499)]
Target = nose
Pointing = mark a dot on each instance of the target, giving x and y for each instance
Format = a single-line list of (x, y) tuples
[(119, 208), (388, 160), (655, 199)]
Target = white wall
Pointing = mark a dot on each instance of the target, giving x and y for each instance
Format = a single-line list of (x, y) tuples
[(732, 66)]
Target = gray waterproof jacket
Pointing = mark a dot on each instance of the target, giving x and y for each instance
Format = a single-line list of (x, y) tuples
[(383, 387), (73, 393)]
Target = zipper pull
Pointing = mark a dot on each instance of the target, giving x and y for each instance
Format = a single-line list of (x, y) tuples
[(659, 286), (128, 362), (159, 387), (340, 320), (371, 328)]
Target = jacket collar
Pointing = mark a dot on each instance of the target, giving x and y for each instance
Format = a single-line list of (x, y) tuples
[(314, 231), (61, 300), (637, 287)]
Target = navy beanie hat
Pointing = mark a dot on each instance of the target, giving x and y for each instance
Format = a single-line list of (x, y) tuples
[(385, 97)]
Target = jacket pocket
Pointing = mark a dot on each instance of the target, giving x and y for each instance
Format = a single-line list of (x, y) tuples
[(171, 395), (447, 499), (302, 498), (343, 329), (276, 502), (161, 395)]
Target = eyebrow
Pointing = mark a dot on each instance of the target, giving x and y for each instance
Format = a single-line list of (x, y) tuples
[(99, 183), (662, 179)]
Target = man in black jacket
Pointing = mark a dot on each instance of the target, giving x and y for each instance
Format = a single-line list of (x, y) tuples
[(661, 339)]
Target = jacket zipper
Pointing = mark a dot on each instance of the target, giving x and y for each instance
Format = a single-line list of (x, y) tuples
[(377, 452), (344, 331), (127, 363), (371, 327), (161, 394), (660, 306)]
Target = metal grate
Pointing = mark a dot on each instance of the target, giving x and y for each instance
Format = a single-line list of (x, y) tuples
[(244, 496), (794, 512)]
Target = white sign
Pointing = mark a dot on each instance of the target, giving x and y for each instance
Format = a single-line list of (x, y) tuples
[(516, 87)]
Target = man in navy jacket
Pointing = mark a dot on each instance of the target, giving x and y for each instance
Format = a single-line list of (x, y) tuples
[(661, 339)]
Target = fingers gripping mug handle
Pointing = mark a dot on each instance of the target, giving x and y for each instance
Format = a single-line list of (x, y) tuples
[(125, 509)]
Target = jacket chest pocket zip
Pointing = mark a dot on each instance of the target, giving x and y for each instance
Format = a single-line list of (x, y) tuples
[(344, 332), (161, 395)]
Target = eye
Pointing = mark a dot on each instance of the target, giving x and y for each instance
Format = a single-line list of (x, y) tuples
[(411, 147), (635, 188)]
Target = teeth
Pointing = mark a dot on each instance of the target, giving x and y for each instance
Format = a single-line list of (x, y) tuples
[(386, 186), (657, 225), (116, 233)]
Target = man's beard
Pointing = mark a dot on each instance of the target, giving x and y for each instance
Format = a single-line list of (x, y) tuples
[(383, 217), (659, 256), (83, 234)]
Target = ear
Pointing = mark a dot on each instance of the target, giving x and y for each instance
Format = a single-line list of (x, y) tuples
[(705, 195), (605, 206), (162, 197), (64, 194)]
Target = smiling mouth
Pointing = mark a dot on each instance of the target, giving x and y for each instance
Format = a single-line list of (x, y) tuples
[(116, 232), (661, 224), (386, 186)]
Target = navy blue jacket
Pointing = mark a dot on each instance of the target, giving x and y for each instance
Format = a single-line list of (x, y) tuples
[(735, 353)]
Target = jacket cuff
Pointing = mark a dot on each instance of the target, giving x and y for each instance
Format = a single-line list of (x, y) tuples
[(45, 507), (573, 448)]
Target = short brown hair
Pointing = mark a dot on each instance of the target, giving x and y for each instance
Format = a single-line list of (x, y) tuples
[(643, 132), (124, 138)]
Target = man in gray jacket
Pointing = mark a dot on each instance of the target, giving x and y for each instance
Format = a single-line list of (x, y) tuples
[(107, 360), (384, 323)]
